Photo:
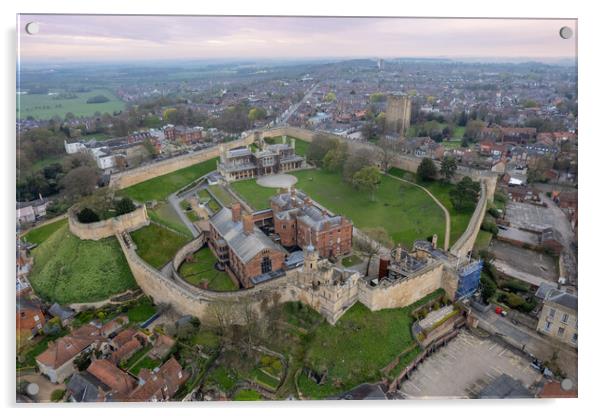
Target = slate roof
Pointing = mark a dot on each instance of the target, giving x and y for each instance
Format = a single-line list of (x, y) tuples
[(563, 299), (245, 246), (62, 312), (84, 387)]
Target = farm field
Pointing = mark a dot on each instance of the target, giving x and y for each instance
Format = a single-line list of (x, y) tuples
[(157, 245), (44, 106), (161, 187), (70, 270), (200, 271), (405, 211)]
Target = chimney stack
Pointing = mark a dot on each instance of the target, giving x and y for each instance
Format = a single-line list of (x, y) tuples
[(247, 224), (236, 212), (434, 241)]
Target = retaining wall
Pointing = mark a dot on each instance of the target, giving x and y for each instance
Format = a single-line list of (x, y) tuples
[(107, 228)]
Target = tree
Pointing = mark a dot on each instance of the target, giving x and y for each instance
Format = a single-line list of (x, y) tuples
[(124, 206), (473, 129), (320, 145), (335, 158), (256, 113), (57, 395), (367, 179), (359, 158), (448, 167), (331, 96), (80, 181), (388, 151), (465, 194), (427, 171), (488, 288), (87, 216)]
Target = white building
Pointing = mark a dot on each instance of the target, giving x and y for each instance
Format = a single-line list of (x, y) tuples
[(74, 147)]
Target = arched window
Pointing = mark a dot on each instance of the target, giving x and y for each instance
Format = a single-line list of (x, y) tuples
[(266, 265)]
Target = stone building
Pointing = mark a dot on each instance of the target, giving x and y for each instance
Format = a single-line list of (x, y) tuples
[(299, 222), (242, 163), (558, 317), (242, 249), (328, 289), (397, 116)]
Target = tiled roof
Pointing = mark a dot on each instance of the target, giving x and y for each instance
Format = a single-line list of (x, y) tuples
[(67, 347), (108, 373)]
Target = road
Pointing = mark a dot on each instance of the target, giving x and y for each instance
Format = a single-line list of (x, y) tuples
[(445, 211), (175, 204), (283, 119)]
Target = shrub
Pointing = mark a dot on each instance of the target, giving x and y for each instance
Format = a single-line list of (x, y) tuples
[(513, 300), (493, 212), (57, 395), (124, 206), (490, 226), (87, 216)]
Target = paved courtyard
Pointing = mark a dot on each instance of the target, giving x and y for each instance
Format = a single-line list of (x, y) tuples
[(277, 181), (463, 367)]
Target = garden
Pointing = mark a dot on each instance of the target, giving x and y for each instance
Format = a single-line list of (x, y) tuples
[(156, 244), (199, 270)]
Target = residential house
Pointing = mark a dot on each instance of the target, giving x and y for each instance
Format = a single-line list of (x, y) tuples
[(29, 212), (162, 347), (57, 362), (83, 387), (160, 384), (118, 380), (558, 317), (64, 313), (30, 318)]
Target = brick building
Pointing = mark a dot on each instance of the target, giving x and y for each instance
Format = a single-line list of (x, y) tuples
[(244, 251), (184, 135), (299, 222)]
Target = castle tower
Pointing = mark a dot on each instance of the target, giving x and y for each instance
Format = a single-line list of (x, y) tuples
[(310, 261), (399, 109)]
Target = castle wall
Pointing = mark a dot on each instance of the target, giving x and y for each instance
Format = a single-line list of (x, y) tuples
[(405, 292), (466, 241), (133, 176), (107, 228)]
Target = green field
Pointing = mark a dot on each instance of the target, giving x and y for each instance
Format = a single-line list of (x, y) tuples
[(44, 107), (69, 270), (157, 245), (164, 214), (405, 211), (201, 271), (357, 347), (40, 234), (222, 195), (459, 220), (247, 395), (161, 187), (142, 310), (483, 240)]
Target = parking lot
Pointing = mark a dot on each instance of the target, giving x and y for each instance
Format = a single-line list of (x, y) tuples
[(463, 367), (523, 264), (523, 215)]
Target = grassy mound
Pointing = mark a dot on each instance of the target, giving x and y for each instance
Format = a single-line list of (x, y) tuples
[(69, 270), (40, 234)]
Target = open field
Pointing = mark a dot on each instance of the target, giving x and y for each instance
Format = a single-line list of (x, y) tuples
[(357, 347), (157, 245), (70, 270), (405, 211), (44, 106), (161, 187), (201, 271), (459, 220), (40, 234)]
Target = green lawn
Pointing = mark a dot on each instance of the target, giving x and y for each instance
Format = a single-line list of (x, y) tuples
[(351, 260), (201, 270), (357, 347), (99, 137), (40, 234), (157, 245), (482, 241), (161, 187), (137, 355), (146, 362), (206, 338), (69, 270), (405, 211), (44, 107), (164, 214), (141, 311), (459, 220), (265, 380), (223, 378), (222, 195), (247, 395), (206, 198)]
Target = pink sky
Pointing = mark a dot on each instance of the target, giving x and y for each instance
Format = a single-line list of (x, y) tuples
[(93, 38)]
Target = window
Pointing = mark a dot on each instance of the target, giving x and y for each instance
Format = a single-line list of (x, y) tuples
[(565, 318), (266, 265), (552, 312), (547, 327), (560, 331)]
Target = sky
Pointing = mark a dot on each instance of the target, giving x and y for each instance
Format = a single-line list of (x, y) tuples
[(141, 38)]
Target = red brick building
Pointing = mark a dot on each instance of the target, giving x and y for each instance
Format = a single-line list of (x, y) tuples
[(298, 221), (184, 135), (244, 251)]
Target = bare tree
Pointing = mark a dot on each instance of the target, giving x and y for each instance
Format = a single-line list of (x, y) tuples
[(388, 152), (372, 242)]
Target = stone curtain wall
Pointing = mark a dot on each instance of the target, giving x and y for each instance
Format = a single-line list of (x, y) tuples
[(132, 177), (466, 241), (107, 228)]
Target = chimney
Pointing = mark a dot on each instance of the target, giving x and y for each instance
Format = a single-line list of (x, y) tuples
[(247, 224), (236, 212), (307, 201), (434, 241)]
